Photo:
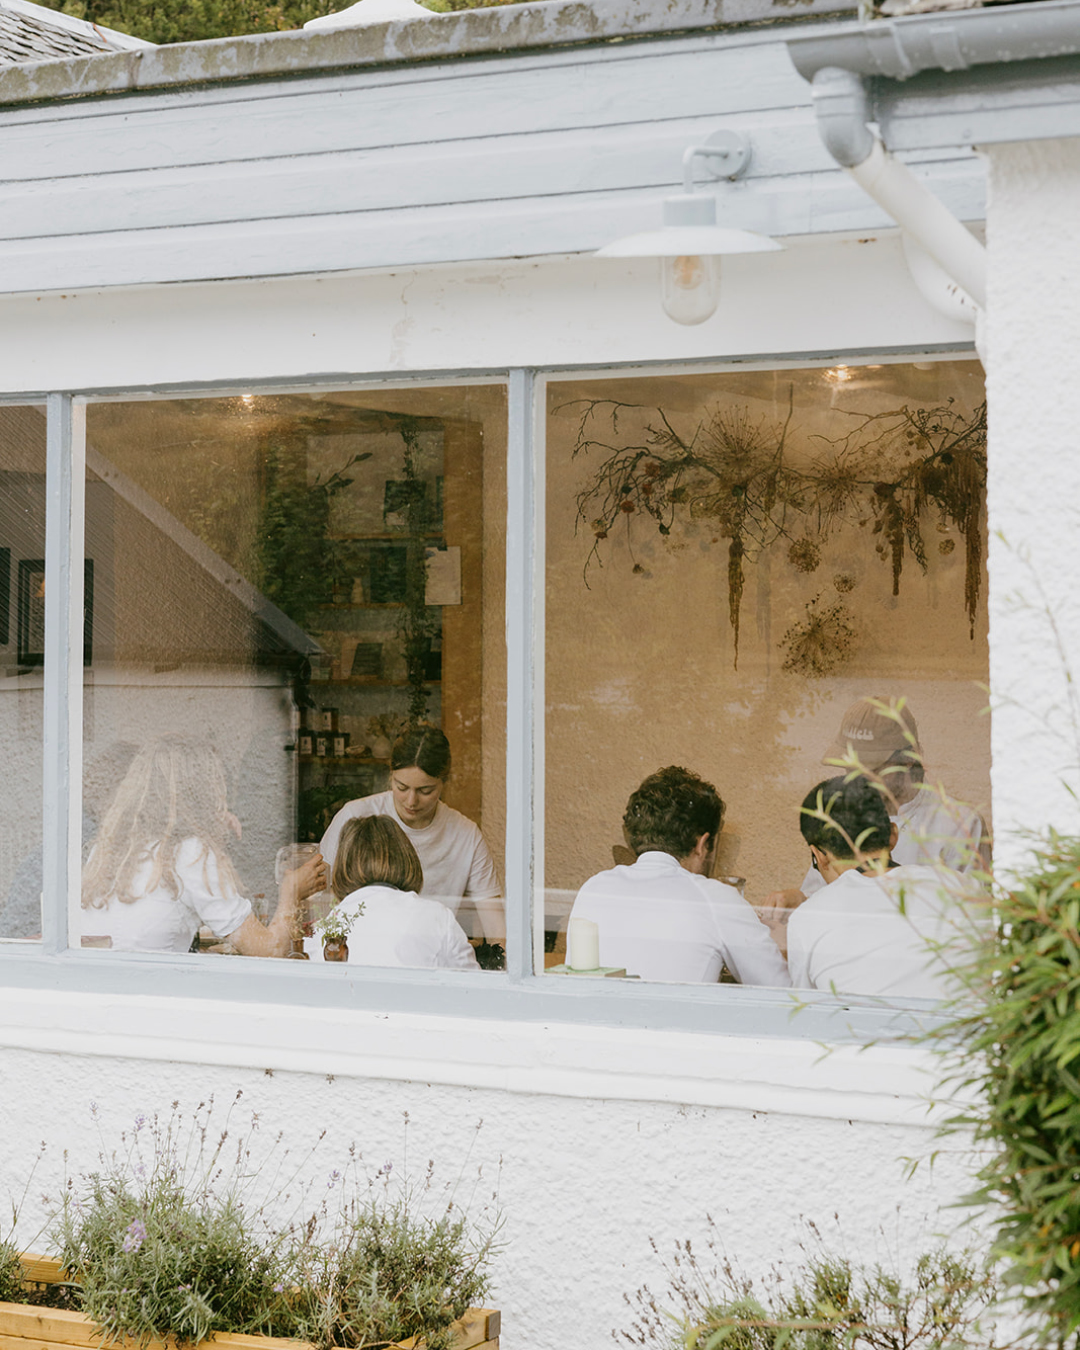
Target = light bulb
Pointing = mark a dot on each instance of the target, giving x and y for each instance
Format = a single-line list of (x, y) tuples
[(690, 287)]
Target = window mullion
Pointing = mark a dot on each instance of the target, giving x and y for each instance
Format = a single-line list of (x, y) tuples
[(63, 676), (521, 673)]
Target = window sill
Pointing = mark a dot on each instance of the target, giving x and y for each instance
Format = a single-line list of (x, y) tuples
[(880, 1083)]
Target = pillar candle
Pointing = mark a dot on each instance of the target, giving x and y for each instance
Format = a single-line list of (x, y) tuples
[(582, 944)]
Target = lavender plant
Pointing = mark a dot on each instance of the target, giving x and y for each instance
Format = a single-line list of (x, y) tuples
[(828, 1303), (169, 1237), (157, 1248)]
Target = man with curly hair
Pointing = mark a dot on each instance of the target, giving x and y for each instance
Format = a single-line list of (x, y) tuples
[(662, 917)]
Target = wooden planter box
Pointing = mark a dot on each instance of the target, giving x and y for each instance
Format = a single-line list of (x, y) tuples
[(24, 1327)]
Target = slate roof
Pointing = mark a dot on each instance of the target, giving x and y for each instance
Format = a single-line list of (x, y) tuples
[(31, 32)]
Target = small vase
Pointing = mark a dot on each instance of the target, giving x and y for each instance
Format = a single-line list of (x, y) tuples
[(381, 747), (333, 950)]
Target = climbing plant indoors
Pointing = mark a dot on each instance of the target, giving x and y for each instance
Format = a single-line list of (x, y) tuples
[(897, 471)]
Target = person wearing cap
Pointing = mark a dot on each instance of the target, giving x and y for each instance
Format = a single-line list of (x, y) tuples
[(875, 927), (881, 737)]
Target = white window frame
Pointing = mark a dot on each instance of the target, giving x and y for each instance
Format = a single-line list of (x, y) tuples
[(516, 994)]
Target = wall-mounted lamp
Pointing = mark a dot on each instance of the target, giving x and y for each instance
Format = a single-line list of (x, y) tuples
[(691, 243)]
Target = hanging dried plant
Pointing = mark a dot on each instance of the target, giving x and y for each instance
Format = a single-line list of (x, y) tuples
[(821, 641), (805, 555), (730, 472), (896, 468)]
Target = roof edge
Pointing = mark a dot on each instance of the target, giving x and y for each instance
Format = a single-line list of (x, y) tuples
[(504, 29), (67, 23)]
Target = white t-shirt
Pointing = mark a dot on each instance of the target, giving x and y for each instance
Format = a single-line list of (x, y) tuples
[(661, 922), (879, 934), (931, 829), (155, 921), (451, 850), (401, 928)]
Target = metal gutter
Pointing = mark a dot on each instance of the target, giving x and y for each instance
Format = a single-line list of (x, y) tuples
[(946, 40), (846, 65)]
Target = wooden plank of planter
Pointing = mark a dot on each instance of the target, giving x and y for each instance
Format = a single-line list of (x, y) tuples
[(478, 1329), (41, 1269)]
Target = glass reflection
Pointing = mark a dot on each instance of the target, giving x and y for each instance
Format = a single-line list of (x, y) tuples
[(736, 563), (288, 588)]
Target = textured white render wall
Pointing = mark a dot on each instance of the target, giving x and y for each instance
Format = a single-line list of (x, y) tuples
[(1033, 337), (584, 1183)]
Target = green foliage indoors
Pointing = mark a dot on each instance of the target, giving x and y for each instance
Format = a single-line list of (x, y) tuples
[(296, 557), (1019, 1051), (193, 20)]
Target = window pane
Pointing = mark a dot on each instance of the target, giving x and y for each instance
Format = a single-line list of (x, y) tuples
[(288, 590), (22, 642), (734, 561)]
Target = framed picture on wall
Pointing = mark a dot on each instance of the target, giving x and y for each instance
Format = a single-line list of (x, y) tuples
[(31, 612), (5, 596)]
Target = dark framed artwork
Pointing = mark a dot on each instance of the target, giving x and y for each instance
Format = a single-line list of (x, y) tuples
[(5, 596), (31, 612)]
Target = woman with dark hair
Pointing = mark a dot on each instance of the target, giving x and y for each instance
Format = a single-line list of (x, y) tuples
[(456, 860), (376, 879)]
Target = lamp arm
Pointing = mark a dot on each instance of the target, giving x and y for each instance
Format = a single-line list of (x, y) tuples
[(731, 149)]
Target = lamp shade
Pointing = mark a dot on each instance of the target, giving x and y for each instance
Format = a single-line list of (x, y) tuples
[(690, 229)]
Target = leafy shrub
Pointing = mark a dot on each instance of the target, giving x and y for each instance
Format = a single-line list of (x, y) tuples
[(1015, 1047)]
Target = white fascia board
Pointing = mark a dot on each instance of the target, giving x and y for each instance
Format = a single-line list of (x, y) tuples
[(54, 19)]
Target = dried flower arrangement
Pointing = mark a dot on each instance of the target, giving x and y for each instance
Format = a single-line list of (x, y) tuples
[(821, 642), (898, 468)]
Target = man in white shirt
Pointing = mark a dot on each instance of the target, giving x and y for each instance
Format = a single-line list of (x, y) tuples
[(662, 917), (875, 927), (881, 737)]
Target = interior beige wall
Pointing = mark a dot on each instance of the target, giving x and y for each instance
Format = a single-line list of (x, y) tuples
[(640, 669)]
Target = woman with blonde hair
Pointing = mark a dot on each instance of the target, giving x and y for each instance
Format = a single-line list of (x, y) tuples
[(377, 875), (160, 867)]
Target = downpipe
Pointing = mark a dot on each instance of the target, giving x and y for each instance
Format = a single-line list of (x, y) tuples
[(842, 108)]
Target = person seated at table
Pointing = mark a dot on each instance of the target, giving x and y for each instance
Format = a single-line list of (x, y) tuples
[(455, 859), (377, 877), (876, 926), (932, 827), (662, 917), (159, 868)]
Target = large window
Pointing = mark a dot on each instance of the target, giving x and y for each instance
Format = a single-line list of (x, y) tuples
[(569, 582), (290, 600), (735, 561)]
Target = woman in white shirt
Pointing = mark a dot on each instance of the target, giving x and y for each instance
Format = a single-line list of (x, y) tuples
[(160, 868), (455, 859), (376, 879)]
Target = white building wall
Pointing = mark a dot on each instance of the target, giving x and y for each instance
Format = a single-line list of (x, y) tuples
[(1033, 335), (598, 1142), (607, 1137)]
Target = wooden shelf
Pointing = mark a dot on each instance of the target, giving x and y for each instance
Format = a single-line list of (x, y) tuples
[(361, 682), (338, 760)]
